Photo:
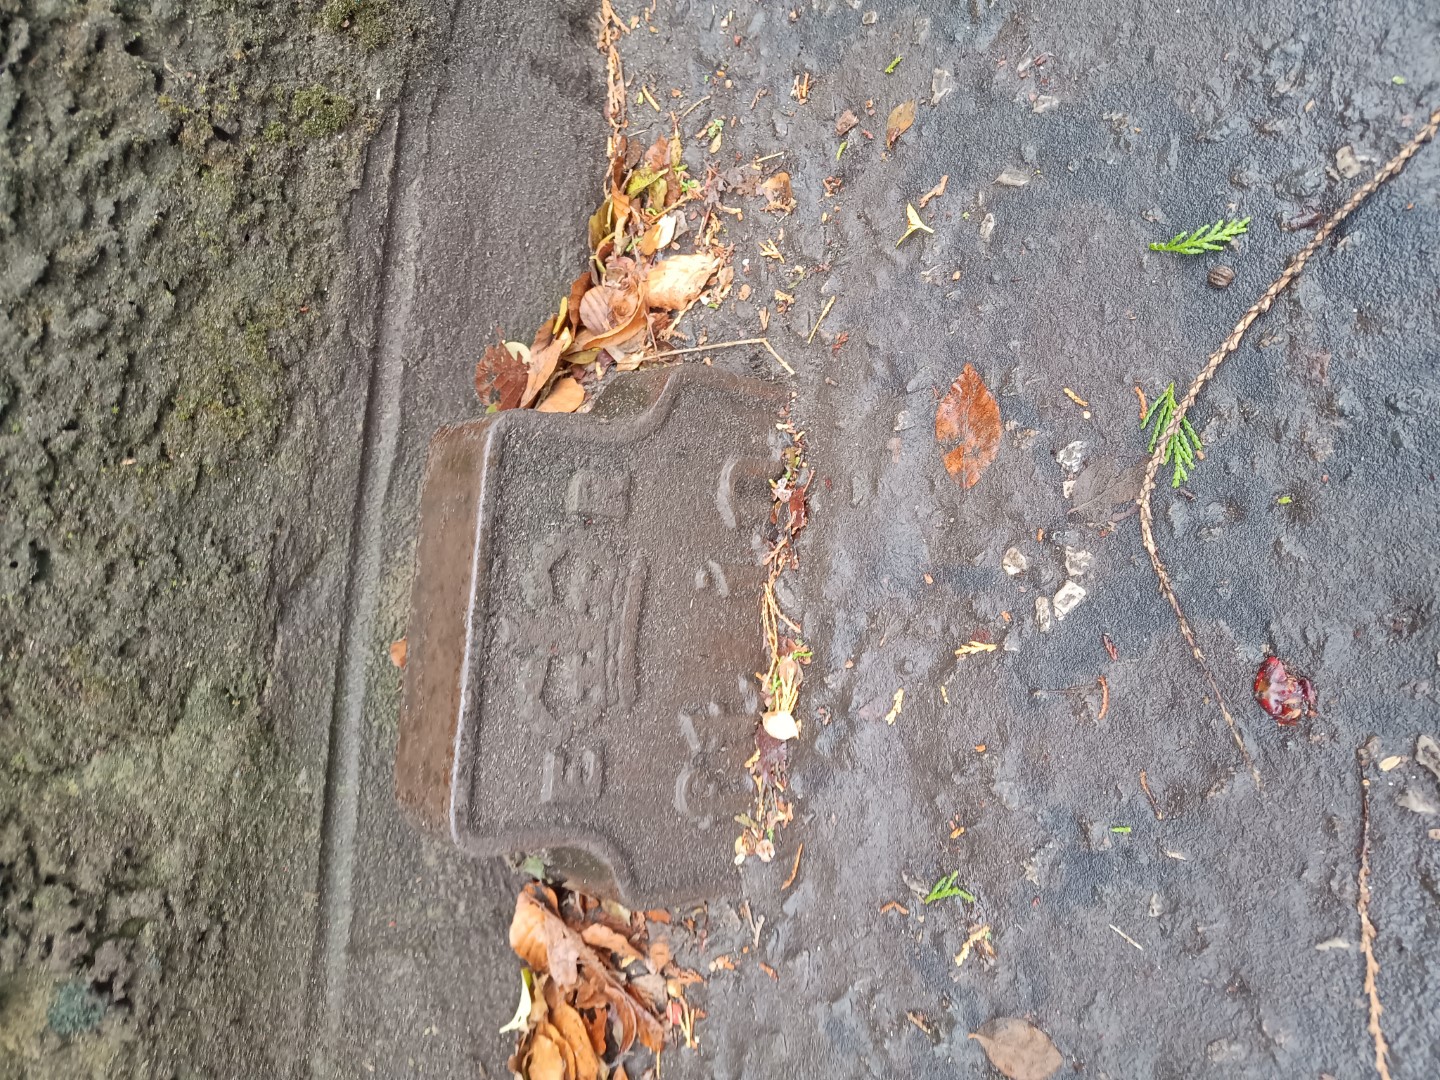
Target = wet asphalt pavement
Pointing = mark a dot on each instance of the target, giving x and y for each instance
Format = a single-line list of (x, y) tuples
[(1218, 936)]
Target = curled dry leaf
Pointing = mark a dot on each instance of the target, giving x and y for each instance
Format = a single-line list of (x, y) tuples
[(544, 1061), (575, 1041), (935, 192), (1018, 1049), (968, 417), (566, 395), (500, 378), (599, 936), (602, 224), (845, 123), (544, 942), (542, 366), (901, 117), (578, 288), (674, 283), (611, 315), (606, 307)]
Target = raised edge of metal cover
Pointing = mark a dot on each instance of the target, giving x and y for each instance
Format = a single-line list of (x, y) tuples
[(585, 599)]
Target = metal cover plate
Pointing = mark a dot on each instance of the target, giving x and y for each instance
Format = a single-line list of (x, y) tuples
[(584, 632)]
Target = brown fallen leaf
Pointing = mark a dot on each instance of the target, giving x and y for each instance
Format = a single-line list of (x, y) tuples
[(778, 193), (901, 117), (500, 378), (1018, 1049), (545, 1061), (657, 156), (935, 192), (567, 1055), (674, 283), (397, 652), (575, 1039), (544, 942), (845, 122), (660, 953), (969, 416), (542, 366), (565, 396), (605, 307), (578, 288), (599, 936), (624, 331)]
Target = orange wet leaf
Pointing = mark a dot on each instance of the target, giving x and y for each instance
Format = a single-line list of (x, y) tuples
[(968, 418)]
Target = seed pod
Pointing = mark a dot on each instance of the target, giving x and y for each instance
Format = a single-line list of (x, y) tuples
[(1220, 276)]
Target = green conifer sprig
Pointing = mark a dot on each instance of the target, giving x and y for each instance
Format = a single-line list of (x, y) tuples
[(1184, 448), (1206, 238)]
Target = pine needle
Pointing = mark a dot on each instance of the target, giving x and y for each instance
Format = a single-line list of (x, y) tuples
[(1206, 238)]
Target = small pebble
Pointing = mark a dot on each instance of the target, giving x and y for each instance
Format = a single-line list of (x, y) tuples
[(1014, 562), (1042, 613), (1070, 594), (1071, 456)]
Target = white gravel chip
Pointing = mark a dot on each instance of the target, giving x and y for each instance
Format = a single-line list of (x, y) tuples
[(1077, 562), (1069, 595), (1042, 613), (1014, 562)]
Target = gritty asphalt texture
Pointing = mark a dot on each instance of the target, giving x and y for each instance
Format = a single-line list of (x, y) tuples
[(1239, 903)]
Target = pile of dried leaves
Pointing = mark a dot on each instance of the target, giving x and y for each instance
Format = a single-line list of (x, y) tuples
[(788, 654), (595, 983), (627, 301)]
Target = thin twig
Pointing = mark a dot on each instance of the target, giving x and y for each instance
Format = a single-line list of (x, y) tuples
[(1228, 346), (795, 869), (726, 345), (1155, 806), (823, 312), (694, 106), (1127, 937), (1367, 928)]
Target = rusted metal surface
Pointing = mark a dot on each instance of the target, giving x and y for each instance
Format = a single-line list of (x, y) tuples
[(584, 632)]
